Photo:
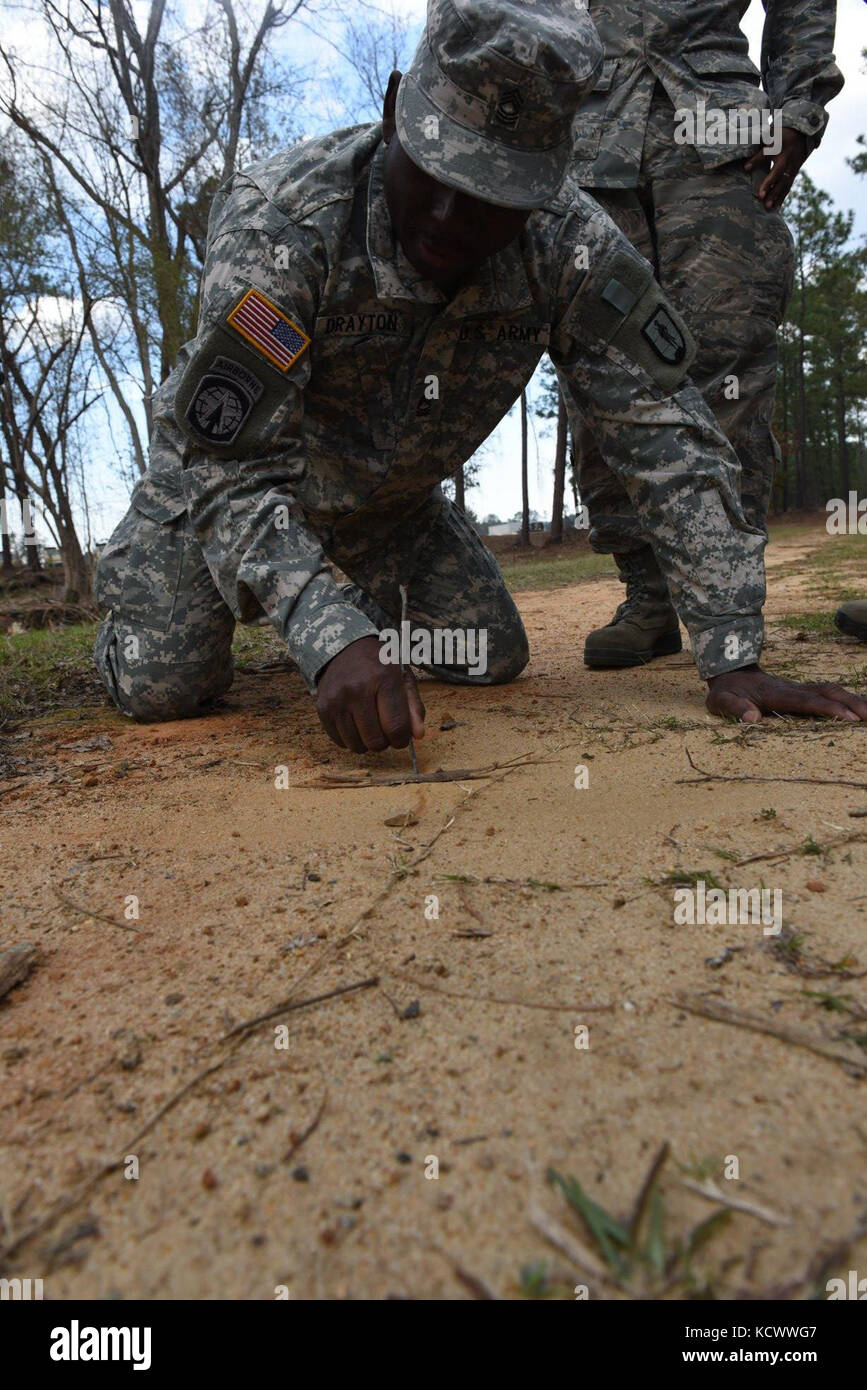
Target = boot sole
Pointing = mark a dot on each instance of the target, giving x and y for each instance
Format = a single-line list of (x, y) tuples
[(619, 657), (849, 626)]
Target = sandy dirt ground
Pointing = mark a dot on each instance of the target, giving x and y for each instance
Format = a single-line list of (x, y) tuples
[(148, 1150)]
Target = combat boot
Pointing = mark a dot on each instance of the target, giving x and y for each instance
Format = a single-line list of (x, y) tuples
[(645, 625), (851, 618)]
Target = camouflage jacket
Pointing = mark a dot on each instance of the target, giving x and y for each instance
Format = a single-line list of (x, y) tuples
[(696, 49), (330, 389)]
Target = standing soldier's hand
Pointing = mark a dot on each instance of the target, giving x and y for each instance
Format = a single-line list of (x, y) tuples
[(750, 692), (784, 168), (368, 706)]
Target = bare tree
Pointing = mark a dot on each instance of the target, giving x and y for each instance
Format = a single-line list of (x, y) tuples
[(525, 482), (45, 373), (559, 470), (46, 380), (138, 124)]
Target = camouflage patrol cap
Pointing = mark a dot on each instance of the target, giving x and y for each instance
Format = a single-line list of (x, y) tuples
[(487, 104)]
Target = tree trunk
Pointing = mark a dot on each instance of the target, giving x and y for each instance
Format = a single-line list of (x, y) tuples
[(559, 471), (459, 489), (76, 571), (525, 484), (31, 545), (801, 448), (6, 565), (842, 442)]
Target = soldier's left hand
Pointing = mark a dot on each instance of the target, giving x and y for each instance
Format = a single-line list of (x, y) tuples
[(750, 692), (784, 167)]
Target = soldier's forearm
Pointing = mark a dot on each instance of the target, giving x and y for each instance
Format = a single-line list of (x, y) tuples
[(264, 558)]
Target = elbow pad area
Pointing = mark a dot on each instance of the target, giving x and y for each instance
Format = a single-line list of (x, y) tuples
[(620, 304)]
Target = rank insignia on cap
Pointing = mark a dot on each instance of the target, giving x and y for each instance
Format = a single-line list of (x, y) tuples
[(268, 329), (664, 336), (508, 108)]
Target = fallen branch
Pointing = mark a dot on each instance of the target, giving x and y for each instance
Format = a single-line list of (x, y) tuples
[(742, 777), (364, 778), (712, 1193), (16, 964), (289, 1006), (725, 1013), (503, 999), (565, 1242), (91, 912), (799, 849)]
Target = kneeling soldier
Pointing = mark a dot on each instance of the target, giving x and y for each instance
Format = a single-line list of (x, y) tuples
[(373, 302)]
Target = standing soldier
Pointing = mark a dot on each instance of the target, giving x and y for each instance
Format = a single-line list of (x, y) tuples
[(662, 143), (373, 302)]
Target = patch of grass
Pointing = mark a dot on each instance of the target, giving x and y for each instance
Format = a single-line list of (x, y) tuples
[(688, 877), (254, 644), (839, 550), (553, 572), (768, 813), (46, 669), (832, 1003), (638, 1252), (809, 622), (810, 846), (535, 1281)]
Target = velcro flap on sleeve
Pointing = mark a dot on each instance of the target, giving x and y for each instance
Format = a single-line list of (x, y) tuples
[(246, 360), (620, 303)]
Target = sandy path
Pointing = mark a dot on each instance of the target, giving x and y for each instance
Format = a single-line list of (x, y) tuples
[(245, 892)]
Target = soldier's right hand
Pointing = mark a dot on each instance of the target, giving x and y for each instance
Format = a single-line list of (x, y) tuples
[(366, 705)]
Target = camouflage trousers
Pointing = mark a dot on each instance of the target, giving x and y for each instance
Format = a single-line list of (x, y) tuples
[(165, 649), (727, 264)]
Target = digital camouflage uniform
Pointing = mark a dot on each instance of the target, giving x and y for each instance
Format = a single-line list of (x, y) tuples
[(724, 260), (330, 389)]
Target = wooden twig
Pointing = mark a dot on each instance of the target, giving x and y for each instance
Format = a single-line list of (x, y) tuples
[(798, 849), (346, 780), (289, 1006), (476, 1286), (91, 912), (16, 964), (404, 604), (725, 1013), (713, 1193), (582, 1258), (503, 999), (305, 1134), (733, 777)]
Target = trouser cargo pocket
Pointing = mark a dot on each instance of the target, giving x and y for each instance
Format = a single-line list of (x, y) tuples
[(140, 568)]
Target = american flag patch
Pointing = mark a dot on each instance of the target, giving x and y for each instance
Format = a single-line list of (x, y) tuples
[(263, 325)]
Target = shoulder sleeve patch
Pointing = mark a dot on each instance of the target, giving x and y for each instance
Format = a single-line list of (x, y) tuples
[(619, 303), (239, 387), (269, 330)]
